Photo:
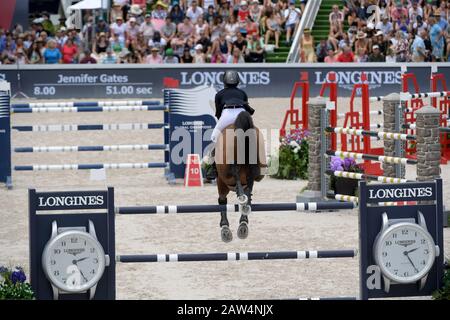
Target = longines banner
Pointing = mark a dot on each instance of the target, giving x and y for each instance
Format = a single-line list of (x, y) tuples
[(258, 80)]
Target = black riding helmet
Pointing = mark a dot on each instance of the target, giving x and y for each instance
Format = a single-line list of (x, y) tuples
[(231, 78)]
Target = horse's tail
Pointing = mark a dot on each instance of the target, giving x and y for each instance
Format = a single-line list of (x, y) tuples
[(246, 133)]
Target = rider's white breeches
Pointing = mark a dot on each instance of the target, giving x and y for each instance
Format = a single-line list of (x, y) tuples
[(227, 118)]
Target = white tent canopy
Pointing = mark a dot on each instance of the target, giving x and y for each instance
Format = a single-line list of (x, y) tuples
[(89, 4), (74, 19)]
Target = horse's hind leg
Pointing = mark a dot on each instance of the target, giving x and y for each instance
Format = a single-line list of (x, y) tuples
[(246, 209), (242, 197), (225, 231)]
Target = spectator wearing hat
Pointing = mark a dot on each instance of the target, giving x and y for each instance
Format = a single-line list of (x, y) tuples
[(291, 18), (255, 11), (136, 12), (120, 29), (170, 58), (87, 58), (380, 41), (147, 28), (199, 56), (385, 25), (69, 52), (101, 43), (194, 11), (376, 55), (52, 55), (110, 57), (307, 53), (101, 26), (160, 11), (47, 24), (154, 57), (243, 12), (362, 42), (21, 57), (176, 14), (132, 29), (336, 18)]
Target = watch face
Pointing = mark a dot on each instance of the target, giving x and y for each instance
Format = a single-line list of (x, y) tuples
[(73, 261), (405, 252)]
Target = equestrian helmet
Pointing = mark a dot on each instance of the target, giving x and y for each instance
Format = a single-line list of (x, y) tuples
[(231, 78)]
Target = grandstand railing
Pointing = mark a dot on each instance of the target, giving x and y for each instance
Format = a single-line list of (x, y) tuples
[(307, 21)]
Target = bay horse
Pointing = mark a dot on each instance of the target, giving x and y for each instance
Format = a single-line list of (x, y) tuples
[(239, 155)]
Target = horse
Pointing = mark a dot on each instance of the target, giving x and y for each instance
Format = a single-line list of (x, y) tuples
[(239, 155)]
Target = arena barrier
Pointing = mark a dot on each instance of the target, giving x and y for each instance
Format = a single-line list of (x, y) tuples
[(180, 109), (360, 119), (103, 224), (326, 172)]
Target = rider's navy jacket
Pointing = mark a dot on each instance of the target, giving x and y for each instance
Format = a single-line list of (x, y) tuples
[(231, 96)]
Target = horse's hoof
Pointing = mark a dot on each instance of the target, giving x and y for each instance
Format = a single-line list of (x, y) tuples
[(242, 230), (226, 234), (246, 210), (243, 199)]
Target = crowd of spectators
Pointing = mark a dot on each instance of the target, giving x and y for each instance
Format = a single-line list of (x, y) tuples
[(157, 31), (385, 31)]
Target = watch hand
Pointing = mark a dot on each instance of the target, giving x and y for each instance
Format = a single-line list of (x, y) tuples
[(412, 250), (81, 259), (406, 254), (81, 272)]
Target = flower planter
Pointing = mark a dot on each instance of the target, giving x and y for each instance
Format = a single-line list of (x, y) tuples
[(346, 186)]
